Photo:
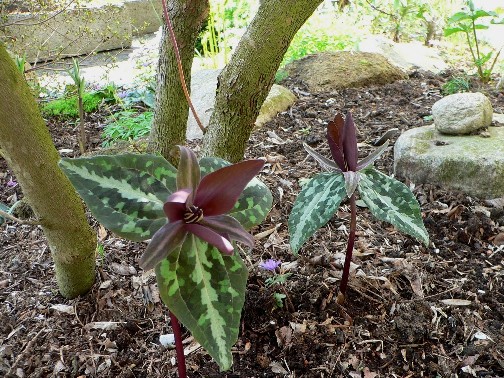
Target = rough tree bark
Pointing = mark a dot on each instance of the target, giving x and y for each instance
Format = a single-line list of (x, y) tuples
[(245, 82), (171, 111), (26, 145)]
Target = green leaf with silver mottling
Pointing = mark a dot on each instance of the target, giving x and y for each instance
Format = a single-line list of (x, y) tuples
[(126, 192), (206, 291), (253, 204), (5, 209), (314, 207), (391, 201)]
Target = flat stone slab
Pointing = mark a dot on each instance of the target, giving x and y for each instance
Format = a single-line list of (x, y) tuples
[(80, 30), (471, 163)]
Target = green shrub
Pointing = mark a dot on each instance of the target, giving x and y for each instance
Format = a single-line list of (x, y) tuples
[(127, 125), (68, 107)]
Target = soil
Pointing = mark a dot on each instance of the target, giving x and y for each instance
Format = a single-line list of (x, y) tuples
[(411, 311)]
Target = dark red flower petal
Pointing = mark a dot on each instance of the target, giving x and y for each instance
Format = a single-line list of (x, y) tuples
[(227, 225), (164, 241), (350, 151), (175, 206), (211, 237), (335, 137), (218, 191), (188, 175)]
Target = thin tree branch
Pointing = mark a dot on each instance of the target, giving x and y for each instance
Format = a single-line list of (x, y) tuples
[(179, 66), (17, 220)]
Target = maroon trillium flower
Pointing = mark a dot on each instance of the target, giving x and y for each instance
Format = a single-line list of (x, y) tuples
[(342, 141), (199, 207)]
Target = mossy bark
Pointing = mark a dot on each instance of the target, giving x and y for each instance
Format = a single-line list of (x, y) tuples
[(170, 115), (245, 82), (28, 149)]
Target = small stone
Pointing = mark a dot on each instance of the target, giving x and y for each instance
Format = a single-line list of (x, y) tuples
[(462, 113)]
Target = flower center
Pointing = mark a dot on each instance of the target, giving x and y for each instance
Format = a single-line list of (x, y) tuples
[(193, 214)]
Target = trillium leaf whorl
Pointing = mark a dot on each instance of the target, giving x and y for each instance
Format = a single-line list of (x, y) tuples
[(192, 216)]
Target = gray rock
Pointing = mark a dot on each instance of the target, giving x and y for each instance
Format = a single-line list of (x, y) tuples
[(203, 85), (407, 56), (462, 113), (331, 71), (470, 163), (498, 119)]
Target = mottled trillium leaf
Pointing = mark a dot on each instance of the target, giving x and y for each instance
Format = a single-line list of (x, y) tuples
[(206, 291), (253, 204), (391, 201), (126, 192), (5, 209), (316, 204)]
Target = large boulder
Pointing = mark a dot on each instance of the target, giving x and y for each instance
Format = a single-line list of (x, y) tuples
[(407, 56), (203, 86), (331, 71), (470, 163), (462, 113)]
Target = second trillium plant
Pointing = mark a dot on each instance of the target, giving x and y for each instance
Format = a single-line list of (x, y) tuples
[(192, 215), (388, 199)]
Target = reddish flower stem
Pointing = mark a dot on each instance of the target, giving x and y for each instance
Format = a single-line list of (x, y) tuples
[(179, 66), (179, 348), (349, 251)]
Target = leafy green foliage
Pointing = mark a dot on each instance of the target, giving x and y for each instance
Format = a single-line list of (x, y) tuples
[(457, 84), (277, 279), (132, 195), (127, 125), (126, 192), (68, 107), (468, 22), (5, 209), (314, 207), (391, 201)]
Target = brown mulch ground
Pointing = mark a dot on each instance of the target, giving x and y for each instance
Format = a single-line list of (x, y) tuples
[(394, 324)]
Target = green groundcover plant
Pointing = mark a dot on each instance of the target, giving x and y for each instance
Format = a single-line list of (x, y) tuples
[(192, 215), (388, 199)]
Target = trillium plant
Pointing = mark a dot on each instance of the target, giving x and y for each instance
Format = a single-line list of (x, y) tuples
[(193, 217), (388, 199)]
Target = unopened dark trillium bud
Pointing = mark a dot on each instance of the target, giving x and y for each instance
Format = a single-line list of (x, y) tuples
[(342, 141), (200, 207)]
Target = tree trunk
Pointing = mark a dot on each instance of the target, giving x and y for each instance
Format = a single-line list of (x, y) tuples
[(171, 111), (26, 145), (245, 82)]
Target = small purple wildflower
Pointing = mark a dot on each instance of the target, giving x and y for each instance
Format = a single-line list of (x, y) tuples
[(122, 94), (11, 183), (270, 264)]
